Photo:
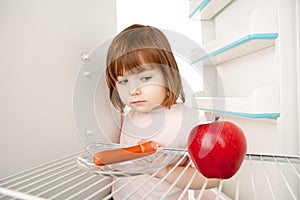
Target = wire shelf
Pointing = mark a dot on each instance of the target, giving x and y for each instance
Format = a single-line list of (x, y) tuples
[(260, 177)]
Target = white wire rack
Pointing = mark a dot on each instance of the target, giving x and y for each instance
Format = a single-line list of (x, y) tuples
[(260, 177)]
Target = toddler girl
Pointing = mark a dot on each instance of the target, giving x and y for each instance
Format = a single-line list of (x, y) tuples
[(143, 76)]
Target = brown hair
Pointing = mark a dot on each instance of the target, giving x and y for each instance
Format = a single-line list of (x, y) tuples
[(138, 45)]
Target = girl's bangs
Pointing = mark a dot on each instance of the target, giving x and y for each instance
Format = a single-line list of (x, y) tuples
[(137, 61)]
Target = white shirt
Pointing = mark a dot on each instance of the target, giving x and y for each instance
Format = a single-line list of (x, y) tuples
[(169, 127)]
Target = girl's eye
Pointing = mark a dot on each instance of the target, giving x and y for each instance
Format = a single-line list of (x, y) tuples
[(123, 82), (146, 78)]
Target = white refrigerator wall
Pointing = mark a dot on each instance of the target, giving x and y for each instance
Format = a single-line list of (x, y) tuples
[(260, 76), (41, 43), (272, 67), (264, 73)]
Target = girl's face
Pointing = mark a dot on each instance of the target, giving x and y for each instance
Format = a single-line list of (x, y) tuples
[(142, 91)]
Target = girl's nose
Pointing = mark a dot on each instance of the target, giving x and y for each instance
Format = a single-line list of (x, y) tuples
[(136, 91)]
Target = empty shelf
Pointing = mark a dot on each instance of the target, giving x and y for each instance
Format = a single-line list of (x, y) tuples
[(262, 103), (206, 9), (243, 46)]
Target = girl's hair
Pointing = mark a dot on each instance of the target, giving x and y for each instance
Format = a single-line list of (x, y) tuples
[(140, 45)]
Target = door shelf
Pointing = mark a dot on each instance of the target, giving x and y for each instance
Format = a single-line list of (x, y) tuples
[(263, 103), (243, 46), (206, 9)]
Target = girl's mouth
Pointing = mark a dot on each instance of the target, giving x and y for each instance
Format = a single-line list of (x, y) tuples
[(137, 102)]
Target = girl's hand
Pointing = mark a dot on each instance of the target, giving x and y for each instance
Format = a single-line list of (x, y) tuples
[(161, 173)]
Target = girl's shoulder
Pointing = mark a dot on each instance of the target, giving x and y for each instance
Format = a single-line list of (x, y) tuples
[(192, 114), (186, 110)]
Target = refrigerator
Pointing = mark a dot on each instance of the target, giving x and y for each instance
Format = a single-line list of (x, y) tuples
[(252, 49), (250, 68)]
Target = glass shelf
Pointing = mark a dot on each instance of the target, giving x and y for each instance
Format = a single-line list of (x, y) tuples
[(241, 114), (263, 103), (206, 9), (243, 46)]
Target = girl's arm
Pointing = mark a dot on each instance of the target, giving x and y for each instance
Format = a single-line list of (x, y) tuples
[(198, 180), (122, 120), (121, 125)]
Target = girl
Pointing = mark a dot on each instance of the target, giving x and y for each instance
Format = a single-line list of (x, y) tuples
[(142, 75)]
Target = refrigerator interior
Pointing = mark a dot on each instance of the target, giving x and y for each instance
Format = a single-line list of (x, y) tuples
[(251, 65)]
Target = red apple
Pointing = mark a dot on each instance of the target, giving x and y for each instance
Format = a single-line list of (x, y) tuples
[(217, 149)]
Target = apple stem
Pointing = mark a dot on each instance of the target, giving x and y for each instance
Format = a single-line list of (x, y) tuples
[(217, 118)]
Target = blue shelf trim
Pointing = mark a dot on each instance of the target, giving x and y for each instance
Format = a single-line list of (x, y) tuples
[(262, 36), (240, 114), (199, 8)]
